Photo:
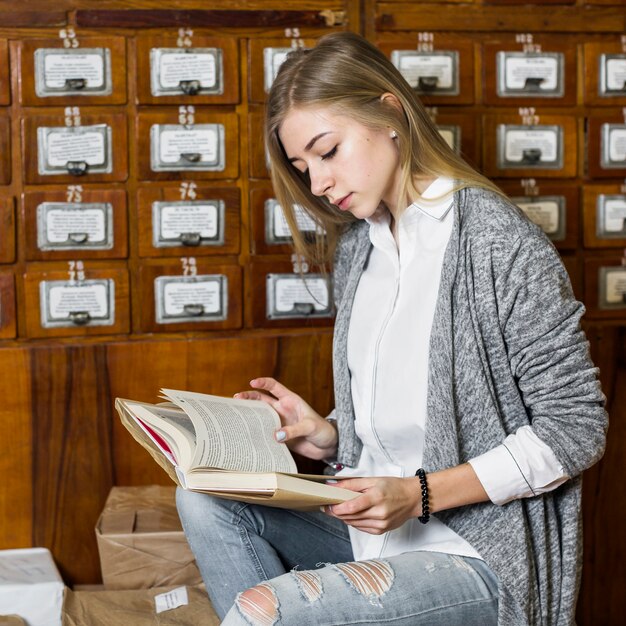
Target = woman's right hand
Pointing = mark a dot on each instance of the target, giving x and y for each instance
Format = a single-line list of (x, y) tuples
[(303, 429)]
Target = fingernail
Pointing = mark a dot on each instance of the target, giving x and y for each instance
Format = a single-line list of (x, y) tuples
[(280, 435)]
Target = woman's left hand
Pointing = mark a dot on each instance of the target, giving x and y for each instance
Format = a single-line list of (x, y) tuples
[(385, 503)]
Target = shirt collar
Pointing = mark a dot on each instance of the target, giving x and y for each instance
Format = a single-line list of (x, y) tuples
[(436, 200)]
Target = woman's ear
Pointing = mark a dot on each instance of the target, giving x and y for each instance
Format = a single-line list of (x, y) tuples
[(392, 100)]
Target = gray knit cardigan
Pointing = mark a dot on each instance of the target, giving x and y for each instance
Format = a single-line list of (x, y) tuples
[(506, 350)]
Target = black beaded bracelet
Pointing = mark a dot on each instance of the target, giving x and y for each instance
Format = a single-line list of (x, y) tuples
[(425, 516)]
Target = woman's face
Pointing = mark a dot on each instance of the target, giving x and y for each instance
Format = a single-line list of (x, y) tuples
[(355, 167)]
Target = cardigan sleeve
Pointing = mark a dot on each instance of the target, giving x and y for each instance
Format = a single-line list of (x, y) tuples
[(548, 351)]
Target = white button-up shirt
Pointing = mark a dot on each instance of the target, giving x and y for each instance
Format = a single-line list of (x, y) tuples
[(388, 345)]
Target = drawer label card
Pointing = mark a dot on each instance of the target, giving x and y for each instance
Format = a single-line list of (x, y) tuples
[(191, 298), (611, 216), (434, 72), (60, 72), (295, 296), (273, 58), (71, 303), (175, 147), (530, 74), (612, 75), (548, 212), (534, 147), (613, 150), (452, 136), (277, 229), (74, 226), (190, 223), (188, 71), (612, 288)]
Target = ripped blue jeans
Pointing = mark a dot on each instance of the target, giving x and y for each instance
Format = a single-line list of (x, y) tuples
[(264, 566)]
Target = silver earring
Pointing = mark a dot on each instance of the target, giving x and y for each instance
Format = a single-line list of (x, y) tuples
[(394, 134)]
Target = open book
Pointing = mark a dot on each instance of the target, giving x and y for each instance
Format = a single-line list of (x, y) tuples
[(226, 447)]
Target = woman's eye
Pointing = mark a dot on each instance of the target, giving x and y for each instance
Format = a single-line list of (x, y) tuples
[(329, 155)]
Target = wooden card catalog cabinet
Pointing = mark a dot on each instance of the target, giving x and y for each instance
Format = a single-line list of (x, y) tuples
[(259, 159), (525, 69), (7, 305), (552, 205), (76, 299), (605, 287), (266, 55), (5, 149), (7, 230), (187, 67), (605, 71), (72, 71), (190, 218), (5, 82), (270, 231), (606, 144), (283, 296), (530, 145), (440, 67), (459, 130), (190, 294), (604, 209), (88, 223), (75, 145), (187, 142)]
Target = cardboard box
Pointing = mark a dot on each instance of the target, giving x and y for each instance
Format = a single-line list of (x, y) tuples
[(30, 587), (141, 542), (136, 607)]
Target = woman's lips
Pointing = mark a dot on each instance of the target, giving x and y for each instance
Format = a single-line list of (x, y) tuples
[(344, 203)]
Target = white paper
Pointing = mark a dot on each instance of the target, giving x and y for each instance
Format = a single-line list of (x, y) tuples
[(544, 213), (615, 73), (177, 66), (87, 146), (273, 58), (171, 599), (617, 145), (289, 291), (207, 293), (519, 140), (448, 137), (304, 221), (60, 223), (416, 65), (615, 287), (518, 69), (614, 215), (60, 67), (66, 299), (173, 143), (195, 218)]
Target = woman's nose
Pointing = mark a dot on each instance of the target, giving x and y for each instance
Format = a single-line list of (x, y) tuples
[(321, 182)]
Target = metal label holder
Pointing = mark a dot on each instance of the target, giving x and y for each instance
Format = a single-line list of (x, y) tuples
[(191, 236)]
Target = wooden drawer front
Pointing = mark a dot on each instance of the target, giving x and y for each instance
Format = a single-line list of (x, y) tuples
[(7, 305), (552, 205), (280, 297), (259, 160), (269, 230), (57, 149), (76, 299), (527, 69), (195, 143), (188, 219), (7, 230), (606, 145), (52, 74), (189, 294), (604, 210), (265, 58), (5, 81), (187, 70), (546, 147), (68, 223), (460, 131), (605, 287), (5, 148), (440, 67), (605, 72)]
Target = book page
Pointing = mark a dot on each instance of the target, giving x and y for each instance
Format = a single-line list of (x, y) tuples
[(234, 434)]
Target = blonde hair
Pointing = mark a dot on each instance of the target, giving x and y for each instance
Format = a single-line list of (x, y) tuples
[(348, 74)]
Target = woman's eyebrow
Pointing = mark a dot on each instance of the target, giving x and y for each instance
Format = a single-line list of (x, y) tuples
[(310, 144)]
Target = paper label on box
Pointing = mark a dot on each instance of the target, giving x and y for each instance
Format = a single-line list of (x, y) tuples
[(174, 143), (68, 298), (171, 600), (545, 214), (60, 67), (519, 69), (438, 66), (617, 144), (517, 141), (302, 290), (615, 287), (615, 215), (304, 221), (615, 74), (60, 223), (197, 218), (207, 293), (176, 67), (86, 146)]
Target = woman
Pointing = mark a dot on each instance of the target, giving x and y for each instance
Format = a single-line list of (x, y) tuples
[(463, 383)]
